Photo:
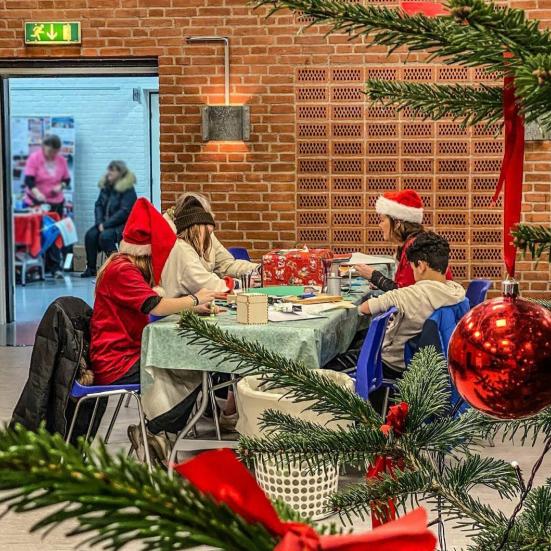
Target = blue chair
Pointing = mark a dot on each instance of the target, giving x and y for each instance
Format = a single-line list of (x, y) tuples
[(437, 331), (83, 393), (369, 370), (477, 291), (239, 253)]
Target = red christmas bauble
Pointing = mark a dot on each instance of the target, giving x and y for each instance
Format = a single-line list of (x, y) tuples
[(499, 358)]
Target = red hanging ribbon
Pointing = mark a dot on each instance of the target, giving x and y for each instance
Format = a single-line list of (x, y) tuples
[(512, 166), (395, 421), (221, 475), (512, 170)]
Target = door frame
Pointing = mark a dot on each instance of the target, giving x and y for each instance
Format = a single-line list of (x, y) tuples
[(42, 68)]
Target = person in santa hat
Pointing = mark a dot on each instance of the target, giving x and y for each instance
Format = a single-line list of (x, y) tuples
[(401, 214), (127, 291)]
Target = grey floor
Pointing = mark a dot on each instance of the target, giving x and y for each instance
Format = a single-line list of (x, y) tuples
[(32, 300), (14, 529)]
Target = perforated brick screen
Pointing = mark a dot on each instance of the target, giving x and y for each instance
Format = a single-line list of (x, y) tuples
[(348, 152)]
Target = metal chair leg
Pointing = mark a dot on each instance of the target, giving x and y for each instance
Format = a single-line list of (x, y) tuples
[(114, 418), (73, 421), (89, 431), (127, 401), (385, 402), (143, 429), (214, 409)]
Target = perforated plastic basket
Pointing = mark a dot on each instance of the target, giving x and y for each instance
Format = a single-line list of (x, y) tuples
[(305, 491)]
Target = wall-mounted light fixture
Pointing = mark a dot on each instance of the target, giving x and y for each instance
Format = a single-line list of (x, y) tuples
[(223, 122)]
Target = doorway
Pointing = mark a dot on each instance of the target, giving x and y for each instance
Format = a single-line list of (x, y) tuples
[(98, 118)]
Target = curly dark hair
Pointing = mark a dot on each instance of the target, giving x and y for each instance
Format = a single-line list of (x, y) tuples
[(432, 249)]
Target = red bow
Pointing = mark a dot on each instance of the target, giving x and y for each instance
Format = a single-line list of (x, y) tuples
[(221, 475), (395, 420)]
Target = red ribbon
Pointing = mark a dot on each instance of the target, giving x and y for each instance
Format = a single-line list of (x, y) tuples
[(512, 166), (430, 9), (395, 421), (221, 475), (512, 170)]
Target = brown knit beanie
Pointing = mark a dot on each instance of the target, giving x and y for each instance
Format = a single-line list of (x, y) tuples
[(191, 213)]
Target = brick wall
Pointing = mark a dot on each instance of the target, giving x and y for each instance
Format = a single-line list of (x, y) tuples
[(109, 125), (252, 185)]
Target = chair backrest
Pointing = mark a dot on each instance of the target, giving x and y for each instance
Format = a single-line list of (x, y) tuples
[(477, 291), (239, 253), (369, 371), (437, 330)]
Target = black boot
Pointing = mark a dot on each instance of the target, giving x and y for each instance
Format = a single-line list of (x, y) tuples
[(88, 273)]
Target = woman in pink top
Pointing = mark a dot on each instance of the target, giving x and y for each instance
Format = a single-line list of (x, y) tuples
[(46, 174)]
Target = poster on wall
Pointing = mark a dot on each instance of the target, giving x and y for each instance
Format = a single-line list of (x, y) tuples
[(26, 137)]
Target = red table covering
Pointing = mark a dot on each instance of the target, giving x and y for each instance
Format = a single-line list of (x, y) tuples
[(27, 228)]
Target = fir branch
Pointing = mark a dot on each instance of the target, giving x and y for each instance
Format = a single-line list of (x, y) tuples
[(425, 387), (447, 37), (533, 239), (469, 104), (301, 383), (115, 500), (509, 26), (317, 446)]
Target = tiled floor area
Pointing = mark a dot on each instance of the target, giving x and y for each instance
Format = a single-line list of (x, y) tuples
[(14, 529), (32, 301)]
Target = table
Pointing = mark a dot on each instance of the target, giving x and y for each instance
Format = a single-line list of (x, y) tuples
[(314, 342)]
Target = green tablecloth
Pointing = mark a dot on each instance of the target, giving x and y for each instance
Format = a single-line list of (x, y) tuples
[(315, 341)]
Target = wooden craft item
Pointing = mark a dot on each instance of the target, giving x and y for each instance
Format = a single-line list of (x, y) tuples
[(252, 309), (319, 299)]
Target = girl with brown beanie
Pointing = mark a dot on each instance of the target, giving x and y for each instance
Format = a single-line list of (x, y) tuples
[(198, 259)]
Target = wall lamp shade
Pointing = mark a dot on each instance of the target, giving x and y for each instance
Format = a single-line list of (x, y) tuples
[(226, 123)]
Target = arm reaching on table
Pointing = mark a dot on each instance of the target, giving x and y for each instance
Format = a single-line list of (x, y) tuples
[(167, 306)]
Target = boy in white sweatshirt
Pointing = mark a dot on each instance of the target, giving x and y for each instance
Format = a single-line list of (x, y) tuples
[(428, 256)]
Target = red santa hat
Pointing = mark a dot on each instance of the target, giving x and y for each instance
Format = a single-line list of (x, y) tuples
[(147, 233), (405, 205)]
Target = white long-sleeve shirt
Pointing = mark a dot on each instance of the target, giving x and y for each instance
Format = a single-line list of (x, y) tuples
[(415, 305)]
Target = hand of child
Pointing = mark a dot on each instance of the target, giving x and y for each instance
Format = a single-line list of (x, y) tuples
[(205, 296), (58, 188), (365, 271), (205, 310)]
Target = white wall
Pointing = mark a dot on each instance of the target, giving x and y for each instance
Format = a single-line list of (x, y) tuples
[(109, 125)]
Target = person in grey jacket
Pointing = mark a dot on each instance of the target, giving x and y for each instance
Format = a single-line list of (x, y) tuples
[(115, 201)]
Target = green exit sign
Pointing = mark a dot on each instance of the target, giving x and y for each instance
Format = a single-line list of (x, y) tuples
[(52, 32)]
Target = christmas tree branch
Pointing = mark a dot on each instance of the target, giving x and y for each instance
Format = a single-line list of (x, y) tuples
[(470, 104), (278, 372), (115, 500), (317, 447), (533, 239)]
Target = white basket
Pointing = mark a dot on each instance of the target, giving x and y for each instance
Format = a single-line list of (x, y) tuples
[(307, 492)]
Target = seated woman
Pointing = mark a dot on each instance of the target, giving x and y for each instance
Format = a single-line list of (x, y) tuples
[(401, 215), (115, 201), (205, 265), (191, 265), (126, 294)]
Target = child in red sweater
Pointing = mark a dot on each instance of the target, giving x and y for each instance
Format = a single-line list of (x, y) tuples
[(125, 295)]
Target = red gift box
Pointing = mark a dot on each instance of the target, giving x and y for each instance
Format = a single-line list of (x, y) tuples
[(295, 267)]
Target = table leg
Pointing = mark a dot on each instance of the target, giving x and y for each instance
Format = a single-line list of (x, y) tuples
[(193, 421)]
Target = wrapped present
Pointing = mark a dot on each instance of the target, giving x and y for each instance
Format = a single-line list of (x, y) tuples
[(295, 266)]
